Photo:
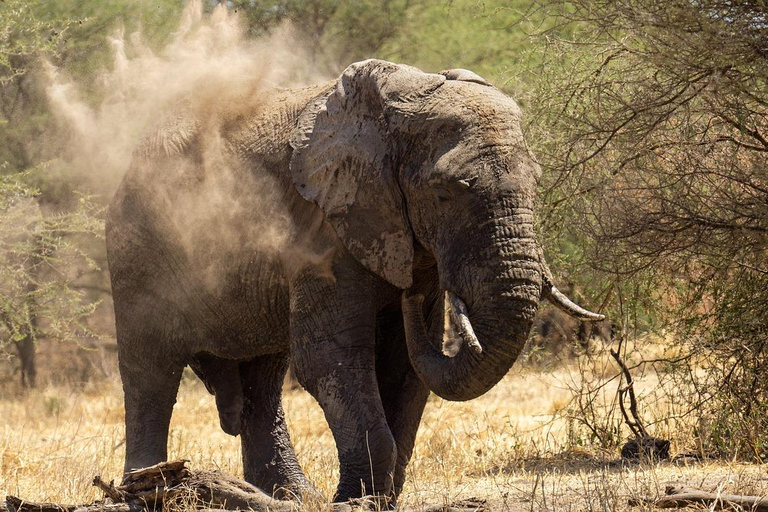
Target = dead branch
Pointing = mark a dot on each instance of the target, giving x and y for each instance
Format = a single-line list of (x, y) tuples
[(467, 505), (227, 492), (13, 503), (109, 489), (634, 423), (680, 497), (154, 487), (168, 484)]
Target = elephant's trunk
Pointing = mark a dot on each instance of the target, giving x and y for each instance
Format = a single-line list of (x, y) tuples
[(482, 360), (495, 326)]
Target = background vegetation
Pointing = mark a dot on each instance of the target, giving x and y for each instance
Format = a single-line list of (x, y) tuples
[(649, 118)]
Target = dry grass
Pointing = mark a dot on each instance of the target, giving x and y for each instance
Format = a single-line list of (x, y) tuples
[(505, 447)]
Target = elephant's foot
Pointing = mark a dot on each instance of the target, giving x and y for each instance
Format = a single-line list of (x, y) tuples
[(365, 503), (269, 461), (298, 488), (308, 495), (282, 483), (350, 492)]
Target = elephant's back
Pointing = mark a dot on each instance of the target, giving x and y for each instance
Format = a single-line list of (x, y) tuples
[(204, 262), (201, 220), (219, 181)]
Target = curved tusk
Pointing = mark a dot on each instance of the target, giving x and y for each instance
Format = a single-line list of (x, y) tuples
[(460, 320), (557, 298)]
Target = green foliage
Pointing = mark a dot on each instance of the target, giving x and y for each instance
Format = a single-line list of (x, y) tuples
[(490, 38), (23, 39), (41, 250), (336, 32), (85, 48), (727, 338), (309, 16), (652, 129), (39, 260), (23, 35), (73, 35)]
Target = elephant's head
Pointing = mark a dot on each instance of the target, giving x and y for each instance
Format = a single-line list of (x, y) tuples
[(397, 158)]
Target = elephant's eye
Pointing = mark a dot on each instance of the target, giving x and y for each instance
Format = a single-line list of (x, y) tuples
[(447, 191), (443, 194)]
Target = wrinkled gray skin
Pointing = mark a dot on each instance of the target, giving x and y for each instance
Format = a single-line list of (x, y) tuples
[(405, 186)]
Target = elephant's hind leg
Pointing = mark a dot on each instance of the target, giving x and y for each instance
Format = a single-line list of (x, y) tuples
[(269, 461), (150, 382), (403, 395)]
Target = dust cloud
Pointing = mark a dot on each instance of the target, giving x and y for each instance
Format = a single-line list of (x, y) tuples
[(209, 71)]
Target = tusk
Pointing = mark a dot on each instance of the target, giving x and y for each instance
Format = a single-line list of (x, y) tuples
[(557, 298), (461, 321)]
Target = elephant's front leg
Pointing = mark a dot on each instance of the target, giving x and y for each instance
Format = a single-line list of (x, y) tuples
[(333, 346)]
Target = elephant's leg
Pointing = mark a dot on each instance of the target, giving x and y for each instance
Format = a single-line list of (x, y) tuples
[(333, 350), (150, 368), (269, 461), (404, 406), (402, 392), (150, 386)]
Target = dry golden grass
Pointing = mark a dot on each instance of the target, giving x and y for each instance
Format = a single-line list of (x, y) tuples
[(504, 447)]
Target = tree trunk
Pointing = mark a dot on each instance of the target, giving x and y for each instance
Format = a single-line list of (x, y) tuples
[(26, 347), (26, 350)]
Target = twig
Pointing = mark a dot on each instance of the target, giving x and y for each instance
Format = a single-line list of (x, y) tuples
[(109, 490), (635, 424), (680, 497)]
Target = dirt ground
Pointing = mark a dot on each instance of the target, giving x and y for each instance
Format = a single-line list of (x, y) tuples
[(509, 448)]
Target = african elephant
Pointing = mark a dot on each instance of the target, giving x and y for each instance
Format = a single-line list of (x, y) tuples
[(401, 191)]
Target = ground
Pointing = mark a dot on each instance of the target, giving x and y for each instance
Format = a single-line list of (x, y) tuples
[(504, 447)]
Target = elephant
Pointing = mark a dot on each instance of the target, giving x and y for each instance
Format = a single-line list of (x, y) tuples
[(407, 198)]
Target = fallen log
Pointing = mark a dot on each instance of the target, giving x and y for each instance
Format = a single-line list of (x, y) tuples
[(154, 487), (167, 484), (14, 504), (219, 490), (679, 497)]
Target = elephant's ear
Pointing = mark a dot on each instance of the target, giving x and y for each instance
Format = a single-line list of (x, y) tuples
[(464, 75), (345, 161)]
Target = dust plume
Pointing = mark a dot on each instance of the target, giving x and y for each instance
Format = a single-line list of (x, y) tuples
[(209, 60), (211, 72)]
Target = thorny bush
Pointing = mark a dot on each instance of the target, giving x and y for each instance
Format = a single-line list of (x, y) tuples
[(652, 118)]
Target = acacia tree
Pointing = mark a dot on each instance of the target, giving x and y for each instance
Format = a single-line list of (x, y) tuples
[(38, 264), (38, 257), (656, 158), (336, 32)]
